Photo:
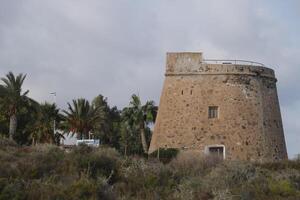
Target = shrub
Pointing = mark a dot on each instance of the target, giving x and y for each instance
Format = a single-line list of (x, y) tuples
[(192, 188), (281, 165), (231, 175), (3, 183), (190, 163), (86, 188), (96, 161), (5, 142), (253, 188), (282, 188), (144, 179), (14, 190), (165, 155), (40, 161), (45, 189)]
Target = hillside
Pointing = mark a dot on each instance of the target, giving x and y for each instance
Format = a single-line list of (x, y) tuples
[(47, 172)]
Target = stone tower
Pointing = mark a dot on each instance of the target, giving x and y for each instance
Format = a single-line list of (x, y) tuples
[(229, 108)]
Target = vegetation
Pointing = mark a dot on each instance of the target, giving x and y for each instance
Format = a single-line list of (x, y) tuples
[(81, 118), (47, 172), (138, 117), (29, 123), (165, 155), (43, 126), (108, 128)]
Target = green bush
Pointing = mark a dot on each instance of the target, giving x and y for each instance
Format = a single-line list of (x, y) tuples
[(86, 188), (165, 155), (96, 161), (144, 179), (14, 190), (191, 164), (282, 188), (40, 161)]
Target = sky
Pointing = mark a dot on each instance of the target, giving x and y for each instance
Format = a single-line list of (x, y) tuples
[(82, 48)]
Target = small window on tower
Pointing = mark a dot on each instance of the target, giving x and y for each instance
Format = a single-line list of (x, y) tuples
[(213, 112)]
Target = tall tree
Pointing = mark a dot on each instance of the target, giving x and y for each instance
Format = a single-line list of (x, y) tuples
[(80, 118), (13, 98), (130, 135), (140, 116), (102, 127), (107, 128), (43, 127), (3, 124), (27, 117)]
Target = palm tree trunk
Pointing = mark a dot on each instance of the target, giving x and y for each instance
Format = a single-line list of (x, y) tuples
[(12, 126), (144, 142)]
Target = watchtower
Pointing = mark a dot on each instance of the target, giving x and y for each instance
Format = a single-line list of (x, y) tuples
[(224, 107)]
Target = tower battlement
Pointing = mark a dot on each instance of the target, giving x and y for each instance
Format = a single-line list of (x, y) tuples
[(193, 63)]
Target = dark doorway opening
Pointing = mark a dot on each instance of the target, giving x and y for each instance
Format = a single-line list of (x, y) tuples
[(216, 151)]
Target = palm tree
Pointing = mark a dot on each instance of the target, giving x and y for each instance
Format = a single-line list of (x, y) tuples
[(43, 128), (126, 130), (140, 116), (13, 98), (107, 129), (81, 118)]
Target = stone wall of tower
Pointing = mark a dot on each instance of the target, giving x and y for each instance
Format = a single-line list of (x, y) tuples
[(249, 123)]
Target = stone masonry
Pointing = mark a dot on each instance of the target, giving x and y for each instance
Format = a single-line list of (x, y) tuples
[(224, 105)]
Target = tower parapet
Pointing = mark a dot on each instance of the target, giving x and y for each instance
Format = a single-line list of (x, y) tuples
[(193, 63)]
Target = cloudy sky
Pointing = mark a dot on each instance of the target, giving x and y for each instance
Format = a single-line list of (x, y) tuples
[(82, 48)]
